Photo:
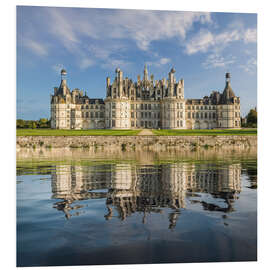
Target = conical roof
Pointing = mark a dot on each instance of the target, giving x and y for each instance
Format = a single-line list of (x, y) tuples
[(228, 93), (63, 88)]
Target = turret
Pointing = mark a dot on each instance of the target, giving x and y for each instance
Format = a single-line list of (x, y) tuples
[(119, 76), (108, 81), (171, 82), (145, 73), (228, 93), (63, 89)]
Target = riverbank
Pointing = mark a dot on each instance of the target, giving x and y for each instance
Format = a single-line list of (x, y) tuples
[(132, 143)]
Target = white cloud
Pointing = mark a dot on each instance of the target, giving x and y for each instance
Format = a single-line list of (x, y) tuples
[(35, 47), (216, 60), (250, 66), (85, 63), (200, 42), (69, 25), (250, 35), (114, 63), (159, 62), (164, 61), (205, 40)]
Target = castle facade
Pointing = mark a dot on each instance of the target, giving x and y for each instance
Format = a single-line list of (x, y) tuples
[(147, 103)]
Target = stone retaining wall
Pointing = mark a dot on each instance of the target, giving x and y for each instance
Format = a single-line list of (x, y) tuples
[(128, 143)]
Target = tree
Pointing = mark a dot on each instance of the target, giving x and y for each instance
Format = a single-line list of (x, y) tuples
[(252, 118), (20, 123), (43, 123)]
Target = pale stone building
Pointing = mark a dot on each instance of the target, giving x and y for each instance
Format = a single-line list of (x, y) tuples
[(147, 103)]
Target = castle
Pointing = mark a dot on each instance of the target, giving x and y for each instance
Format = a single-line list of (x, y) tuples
[(147, 103)]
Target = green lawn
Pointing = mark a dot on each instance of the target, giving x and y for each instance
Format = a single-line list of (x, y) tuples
[(196, 132), (104, 132), (61, 132)]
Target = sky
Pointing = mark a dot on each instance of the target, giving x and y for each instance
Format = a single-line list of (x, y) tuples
[(91, 43)]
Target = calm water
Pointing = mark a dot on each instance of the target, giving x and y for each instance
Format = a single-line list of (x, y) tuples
[(88, 210)]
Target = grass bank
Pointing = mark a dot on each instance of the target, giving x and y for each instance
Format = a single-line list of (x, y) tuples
[(202, 132), (162, 132), (62, 132)]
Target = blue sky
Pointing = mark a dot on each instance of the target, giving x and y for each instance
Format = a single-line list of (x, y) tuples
[(91, 43)]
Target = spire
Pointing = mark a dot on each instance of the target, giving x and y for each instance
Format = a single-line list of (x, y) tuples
[(228, 92), (63, 88), (145, 73)]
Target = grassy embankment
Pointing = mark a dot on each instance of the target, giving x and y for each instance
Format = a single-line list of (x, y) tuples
[(206, 132), (62, 132), (164, 132)]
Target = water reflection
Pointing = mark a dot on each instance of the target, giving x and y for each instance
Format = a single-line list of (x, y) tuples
[(147, 189)]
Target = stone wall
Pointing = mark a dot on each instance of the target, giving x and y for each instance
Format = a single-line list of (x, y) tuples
[(131, 143)]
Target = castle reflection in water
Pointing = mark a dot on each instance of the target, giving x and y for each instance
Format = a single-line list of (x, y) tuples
[(130, 188)]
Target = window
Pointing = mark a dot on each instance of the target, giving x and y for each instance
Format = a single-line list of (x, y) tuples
[(132, 106), (96, 114), (113, 123), (181, 105), (188, 115), (149, 114), (149, 106), (132, 114), (96, 106), (142, 123), (197, 107), (101, 115), (181, 123), (86, 107), (92, 115), (193, 115), (205, 115), (214, 115), (145, 106), (177, 105), (188, 107), (86, 115), (202, 115), (113, 113), (132, 123), (113, 105), (177, 123), (197, 115), (141, 106), (141, 114), (235, 114), (181, 114)]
